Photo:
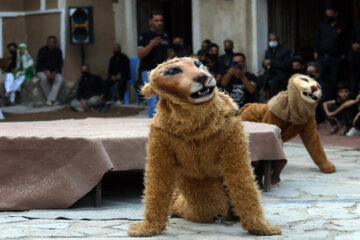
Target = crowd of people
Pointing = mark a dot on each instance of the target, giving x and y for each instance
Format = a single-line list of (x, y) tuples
[(339, 105)]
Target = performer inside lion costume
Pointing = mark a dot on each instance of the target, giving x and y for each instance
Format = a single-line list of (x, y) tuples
[(198, 166), (294, 112)]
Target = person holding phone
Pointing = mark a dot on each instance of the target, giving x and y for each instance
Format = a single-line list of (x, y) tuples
[(239, 83)]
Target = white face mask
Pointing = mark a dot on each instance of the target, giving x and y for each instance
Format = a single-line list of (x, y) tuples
[(273, 44)]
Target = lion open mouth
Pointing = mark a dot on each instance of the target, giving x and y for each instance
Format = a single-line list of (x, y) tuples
[(203, 92), (310, 95)]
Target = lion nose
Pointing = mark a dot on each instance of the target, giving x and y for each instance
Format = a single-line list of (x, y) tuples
[(314, 89), (201, 78)]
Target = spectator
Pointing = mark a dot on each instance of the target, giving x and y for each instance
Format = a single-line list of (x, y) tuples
[(11, 61), (330, 48), (297, 65), (226, 59), (153, 48), (202, 56), (355, 58), (240, 84), (22, 72), (119, 72), (49, 65), (313, 70), (89, 93), (204, 45), (341, 111), (355, 130), (178, 47), (277, 66), (213, 63)]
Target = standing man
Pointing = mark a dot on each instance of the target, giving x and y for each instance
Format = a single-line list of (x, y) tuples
[(355, 58), (226, 59), (277, 65), (119, 71), (49, 65), (330, 49), (153, 48), (239, 83)]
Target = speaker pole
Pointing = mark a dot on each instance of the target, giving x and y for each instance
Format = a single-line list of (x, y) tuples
[(82, 54)]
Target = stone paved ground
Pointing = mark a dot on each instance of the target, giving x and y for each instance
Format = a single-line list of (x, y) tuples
[(307, 204)]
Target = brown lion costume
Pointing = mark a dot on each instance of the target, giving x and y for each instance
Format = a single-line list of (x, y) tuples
[(294, 112), (198, 166)]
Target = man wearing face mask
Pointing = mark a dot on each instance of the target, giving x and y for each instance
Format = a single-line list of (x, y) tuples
[(226, 59), (297, 65), (313, 70), (89, 93), (239, 83), (178, 48), (213, 63), (277, 66), (119, 71), (330, 48)]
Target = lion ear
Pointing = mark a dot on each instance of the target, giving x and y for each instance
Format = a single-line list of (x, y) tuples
[(147, 90)]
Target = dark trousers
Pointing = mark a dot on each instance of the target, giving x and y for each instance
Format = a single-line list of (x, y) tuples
[(330, 74), (345, 117), (355, 84), (274, 82), (108, 88)]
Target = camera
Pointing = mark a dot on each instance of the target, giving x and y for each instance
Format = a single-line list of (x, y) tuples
[(236, 65)]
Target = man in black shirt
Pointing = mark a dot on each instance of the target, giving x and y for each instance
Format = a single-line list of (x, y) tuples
[(153, 48), (119, 71), (213, 63), (330, 48), (355, 58), (277, 66), (239, 83), (48, 68), (89, 93), (11, 61), (226, 59), (178, 48)]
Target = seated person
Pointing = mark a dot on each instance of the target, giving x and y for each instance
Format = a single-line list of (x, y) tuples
[(297, 65), (277, 66), (178, 48), (22, 72), (89, 93), (204, 46), (239, 83), (341, 111), (48, 68), (119, 71), (226, 59), (213, 64)]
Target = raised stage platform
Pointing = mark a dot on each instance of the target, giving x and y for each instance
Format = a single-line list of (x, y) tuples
[(53, 164)]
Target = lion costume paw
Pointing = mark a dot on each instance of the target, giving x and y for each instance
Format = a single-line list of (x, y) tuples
[(145, 229), (262, 227)]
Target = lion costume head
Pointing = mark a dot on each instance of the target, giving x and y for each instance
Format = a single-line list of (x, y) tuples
[(298, 103)]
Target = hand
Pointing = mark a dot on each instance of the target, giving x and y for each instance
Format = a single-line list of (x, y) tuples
[(267, 62), (47, 74), (357, 98), (83, 104), (357, 117), (355, 47), (113, 78), (233, 71), (156, 41), (171, 54), (118, 76), (241, 73), (331, 115)]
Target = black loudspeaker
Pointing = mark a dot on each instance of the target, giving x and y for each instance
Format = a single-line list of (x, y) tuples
[(81, 25)]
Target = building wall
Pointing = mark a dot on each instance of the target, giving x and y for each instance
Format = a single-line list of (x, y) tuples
[(11, 5)]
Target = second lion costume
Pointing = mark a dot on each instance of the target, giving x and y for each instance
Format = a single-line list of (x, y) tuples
[(293, 111), (197, 166)]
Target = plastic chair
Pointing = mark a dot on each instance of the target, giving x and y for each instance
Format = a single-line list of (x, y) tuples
[(134, 67)]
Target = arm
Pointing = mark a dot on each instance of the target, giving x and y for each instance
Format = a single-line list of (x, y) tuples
[(249, 85), (326, 109), (159, 184), (282, 62), (144, 51), (346, 104), (311, 139), (240, 182), (226, 78)]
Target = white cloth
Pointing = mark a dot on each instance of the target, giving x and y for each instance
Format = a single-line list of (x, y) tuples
[(13, 84)]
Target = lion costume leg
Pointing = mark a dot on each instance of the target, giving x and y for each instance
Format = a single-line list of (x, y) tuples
[(240, 183), (200, 200)]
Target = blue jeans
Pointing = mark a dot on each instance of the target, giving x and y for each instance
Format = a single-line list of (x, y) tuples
[(153, 100)]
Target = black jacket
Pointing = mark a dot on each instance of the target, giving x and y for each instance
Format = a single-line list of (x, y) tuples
[(89, 86), (119, 64), (49, 59), (280, 60), (330, 39)]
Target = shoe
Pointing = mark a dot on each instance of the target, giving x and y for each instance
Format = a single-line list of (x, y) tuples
[(332, 131), (353, 132), (48, 103)]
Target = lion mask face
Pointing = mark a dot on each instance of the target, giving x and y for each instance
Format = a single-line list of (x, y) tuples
[(184, 78), (309, 89)]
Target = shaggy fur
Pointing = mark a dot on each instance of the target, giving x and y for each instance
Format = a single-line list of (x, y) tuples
[(294, 115), (198, 166)]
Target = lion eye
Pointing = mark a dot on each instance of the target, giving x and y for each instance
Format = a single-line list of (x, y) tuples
[(304, 79), (172, 71), (198, 64)]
